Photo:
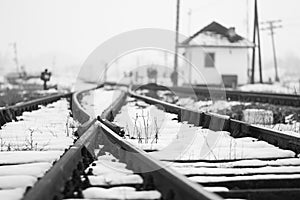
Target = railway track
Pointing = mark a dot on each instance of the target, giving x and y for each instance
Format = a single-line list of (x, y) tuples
[(101, 164), (33, 136), (85, 170), (228, 94), (10, 113), (237, 176)]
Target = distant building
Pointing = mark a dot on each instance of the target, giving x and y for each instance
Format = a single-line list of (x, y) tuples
[(219, 53)]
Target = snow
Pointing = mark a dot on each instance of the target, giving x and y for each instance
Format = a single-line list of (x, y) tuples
[(292, 129), (12, 194), (144, 123), (238, 164), (21, 157), (16, 181), (108, 165), (258, 116), (96, 101), (50, 91), (2, 79), (115, 179), (216, 189), (49, 128), (119, 193), (207, 106), (210, 179), (205, 144), (271, 88), (215, 39), (188, 171), (31, 169), (109, 171)]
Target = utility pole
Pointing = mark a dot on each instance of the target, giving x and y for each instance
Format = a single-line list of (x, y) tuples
[(271, 27), (256, 31), (248, 37), (174, 76)]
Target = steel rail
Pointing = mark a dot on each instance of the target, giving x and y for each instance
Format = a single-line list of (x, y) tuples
[(229, 94), (171, 184)]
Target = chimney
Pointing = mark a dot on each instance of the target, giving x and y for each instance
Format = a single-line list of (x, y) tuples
[(231, 32)]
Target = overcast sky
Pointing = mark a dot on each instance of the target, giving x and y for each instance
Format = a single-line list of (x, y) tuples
[(67, 31)]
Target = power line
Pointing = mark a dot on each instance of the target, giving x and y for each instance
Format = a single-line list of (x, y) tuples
[(271, 25)]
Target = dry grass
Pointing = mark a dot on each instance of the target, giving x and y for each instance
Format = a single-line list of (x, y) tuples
[(143, 130)]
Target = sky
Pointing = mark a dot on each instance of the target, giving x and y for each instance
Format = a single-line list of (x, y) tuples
[(63, 33)]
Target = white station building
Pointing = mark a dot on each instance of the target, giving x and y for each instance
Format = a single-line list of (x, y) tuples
[(217, 54)]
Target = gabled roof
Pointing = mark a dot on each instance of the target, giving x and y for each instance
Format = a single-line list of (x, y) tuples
[(216, 34)]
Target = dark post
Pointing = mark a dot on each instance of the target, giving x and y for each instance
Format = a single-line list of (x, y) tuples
[(256, 30), (254, 42), (174, 76), (258, 41), (45, 76)]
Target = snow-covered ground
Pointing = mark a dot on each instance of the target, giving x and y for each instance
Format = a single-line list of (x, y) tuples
[(29, 146), (272, 88), (208, 106), (146, 126)]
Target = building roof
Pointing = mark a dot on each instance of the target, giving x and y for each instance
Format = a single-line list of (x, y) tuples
[(217, 35)]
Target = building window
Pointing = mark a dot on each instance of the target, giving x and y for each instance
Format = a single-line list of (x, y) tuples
[(209, 60)]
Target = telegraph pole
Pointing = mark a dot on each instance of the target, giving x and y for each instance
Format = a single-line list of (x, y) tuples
[(256, 31), (174, 75), (271, 27)]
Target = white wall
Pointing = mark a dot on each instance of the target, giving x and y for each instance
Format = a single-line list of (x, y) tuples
[(228, 61)]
